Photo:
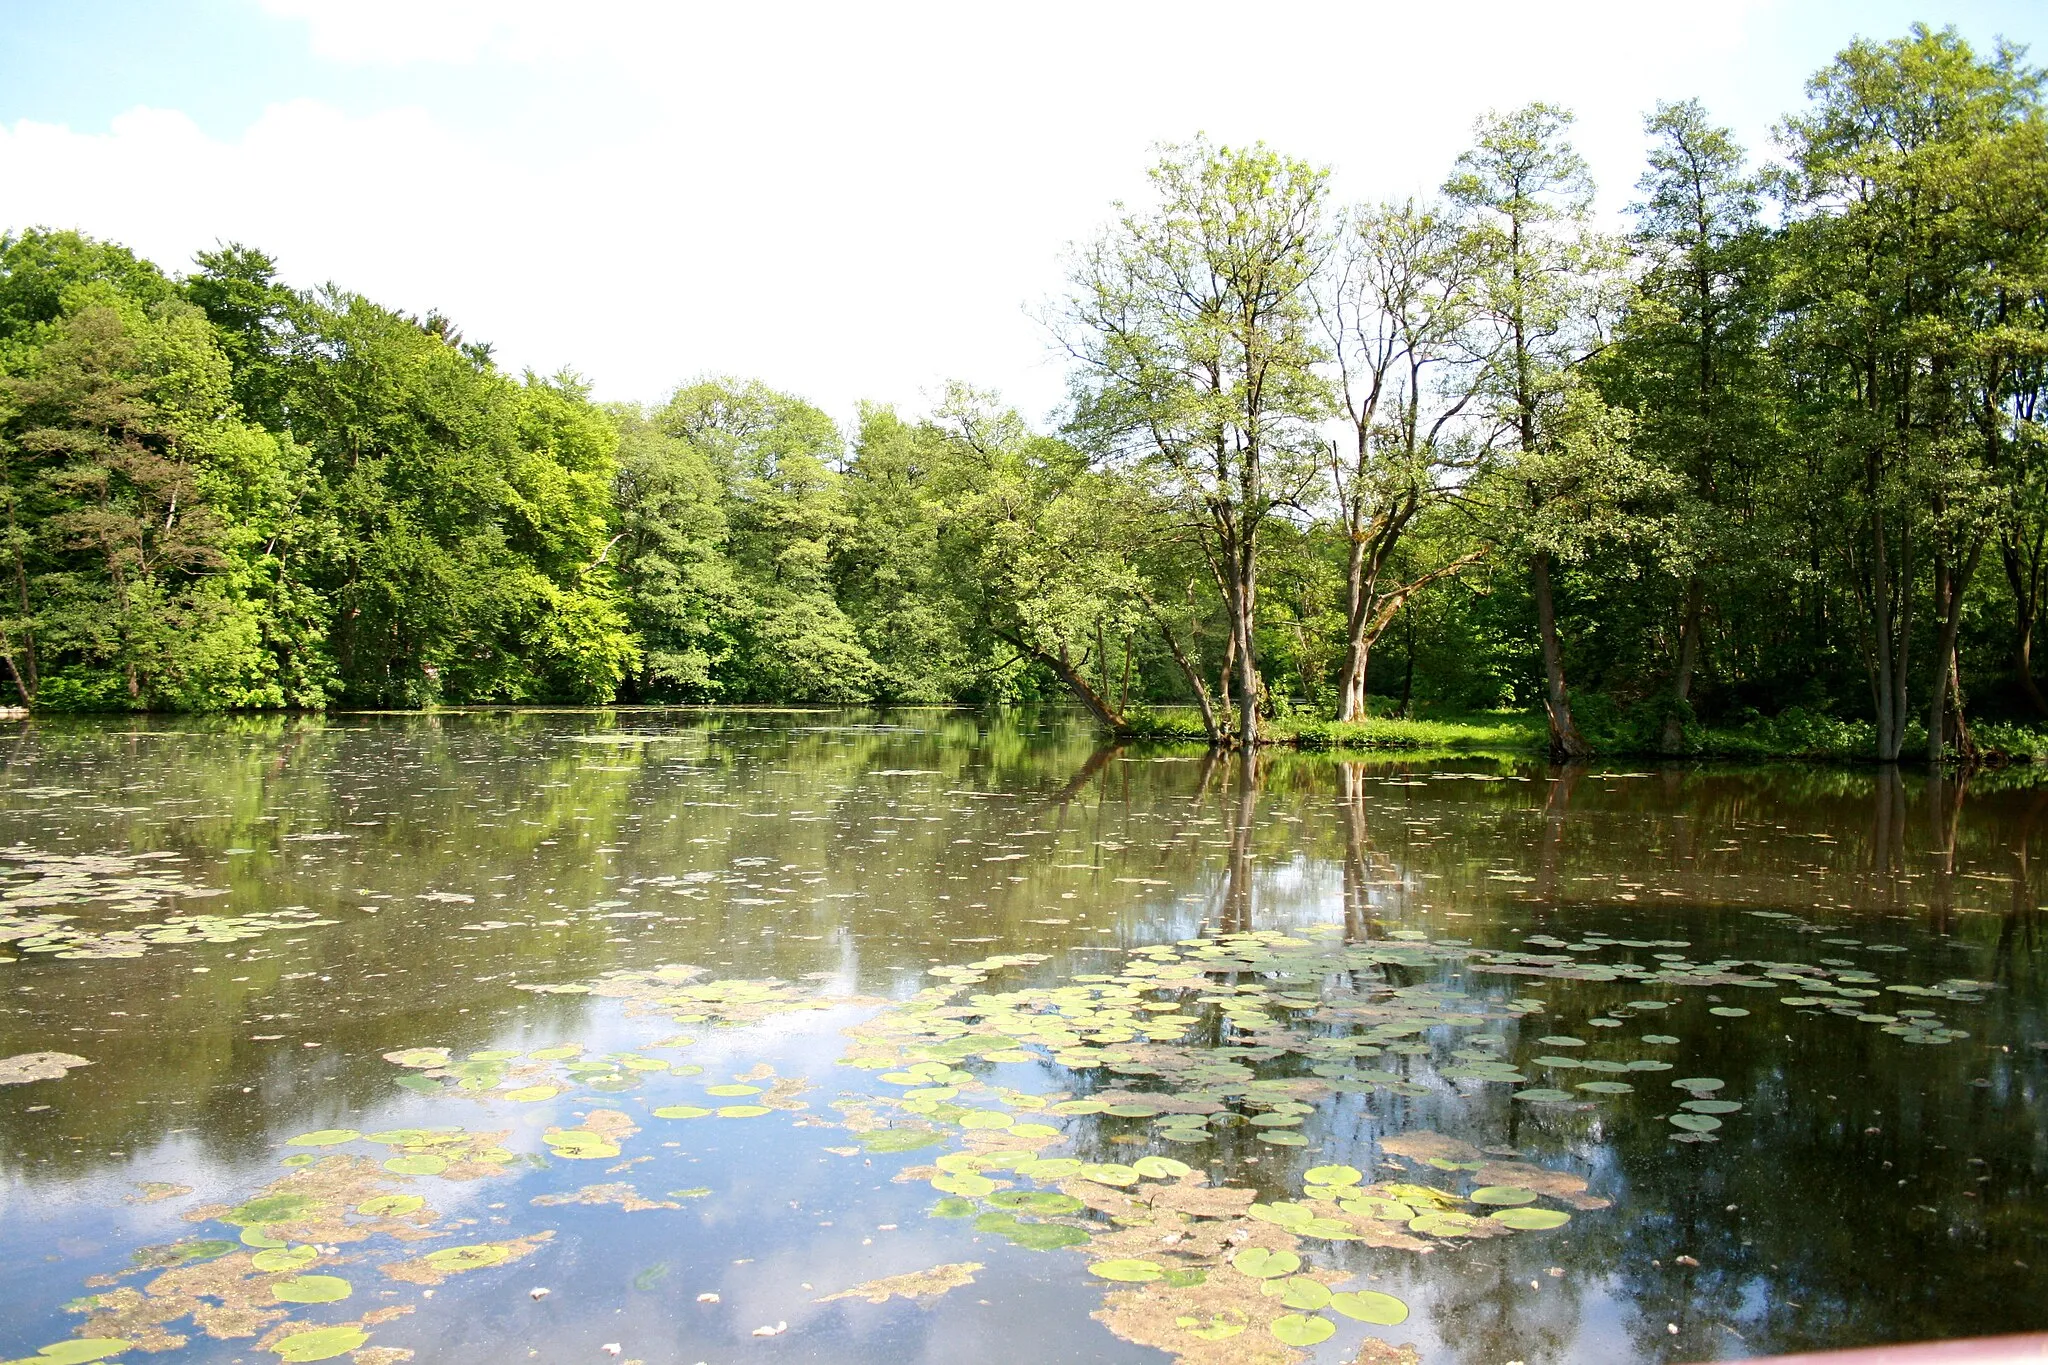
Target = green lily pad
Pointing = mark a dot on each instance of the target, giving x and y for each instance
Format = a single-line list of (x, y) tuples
[(1298, 1329), (969, 1186), (1695, 1123), (529, 1094), (391, 1205), (322, 1343), (1543, 1095), (1221, 1325), (79, 1350), (1712, 1106), (953, 1206), (1262, 1264), (1108, 1173), (1128, 1270), (1502, 1195), (1369, 1305), (1301, 1292), (1050, 1168), (732, 1091), (311, 1289), (325, 1137), (743, 1111), (1606, 1087), (682, 1111), (419, 1058), (1283, 1139), (1704, 1085), (285, 1258), (1044, 1202), (1729, 1012), (898, 1139), (466, 1257), (1531, 1220), (425, 1163), (180, 1253), (1661, 1039), (1385, 1210), (1334, 1175), (273, 1208), (1160, 1167)]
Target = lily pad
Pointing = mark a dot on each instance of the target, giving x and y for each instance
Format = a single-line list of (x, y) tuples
[(1729, 1012), (682, 1111), (1699, 1085), (424, 1163), (953, 1206), (1261, 1264), (1543, 1095), (1045, 1202), (1128, 1270), (419, 1057), (322, 1343), (1333, 1175), (1160, 1167), (311, 1289), (1369, 1305), (325, 1137), (1695, 1123), (1606, 1087), (274, 1208), (79, 1350), (892, 1139), (391, 1205), (466, 1257), (1506, 1195), (1298, 1329), (285, 1258), (1531, 1220), (1301, 1292)]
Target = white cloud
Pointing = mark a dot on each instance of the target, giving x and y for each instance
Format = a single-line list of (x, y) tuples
[(848, 201)]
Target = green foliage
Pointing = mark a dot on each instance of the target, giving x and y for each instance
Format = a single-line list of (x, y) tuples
[(1733, 475)]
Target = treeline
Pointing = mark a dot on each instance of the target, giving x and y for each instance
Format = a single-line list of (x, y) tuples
[(1776, 449)]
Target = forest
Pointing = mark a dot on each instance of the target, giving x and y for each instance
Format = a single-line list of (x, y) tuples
[(1770, 460)]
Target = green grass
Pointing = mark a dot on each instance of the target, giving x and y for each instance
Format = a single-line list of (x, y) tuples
[(1614, 733)]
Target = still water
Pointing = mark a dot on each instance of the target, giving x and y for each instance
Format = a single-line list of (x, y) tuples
[(680, 1036)]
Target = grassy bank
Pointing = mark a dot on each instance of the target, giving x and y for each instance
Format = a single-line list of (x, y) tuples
[(1794, 734)]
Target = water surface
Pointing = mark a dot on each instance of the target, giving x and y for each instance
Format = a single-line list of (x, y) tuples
[(379, 1013)]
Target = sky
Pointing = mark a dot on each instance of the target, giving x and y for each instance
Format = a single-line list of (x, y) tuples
[(854, 202)]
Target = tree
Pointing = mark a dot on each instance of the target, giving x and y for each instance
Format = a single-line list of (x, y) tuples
[(1542, 283), (1397, 310), (1192, 325), (1689, 365), (777, 459), (1897, 264)]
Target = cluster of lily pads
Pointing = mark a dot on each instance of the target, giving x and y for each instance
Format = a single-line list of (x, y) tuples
[(33, 882), (1235, 1042)]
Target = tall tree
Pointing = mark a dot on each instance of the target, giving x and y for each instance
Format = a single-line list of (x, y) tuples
[(1193, 324), (1689, 363), (1396, 307), (1896, 258), (1542, 285)]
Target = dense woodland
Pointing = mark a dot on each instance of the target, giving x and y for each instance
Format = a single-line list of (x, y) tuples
[(1775, 450)]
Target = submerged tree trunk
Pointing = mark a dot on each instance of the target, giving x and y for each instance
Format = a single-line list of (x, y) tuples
[(1951, 582), (2023, 566), (1187, 667), (1688, 659), (1076, 682), (1565, 740)]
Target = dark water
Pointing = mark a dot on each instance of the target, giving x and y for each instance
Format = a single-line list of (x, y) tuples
[(1872, 1166)]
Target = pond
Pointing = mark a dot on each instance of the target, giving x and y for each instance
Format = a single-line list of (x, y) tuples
[(931, 1035)]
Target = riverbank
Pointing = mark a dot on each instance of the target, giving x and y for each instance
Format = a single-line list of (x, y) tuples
[(1794, 735)]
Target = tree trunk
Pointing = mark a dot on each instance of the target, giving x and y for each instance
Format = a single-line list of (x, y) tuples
[(1688, 659), (1063, 668), (1247, 664), (1565, 740), (1187, 670), (2023, 578), (1951, 582)]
